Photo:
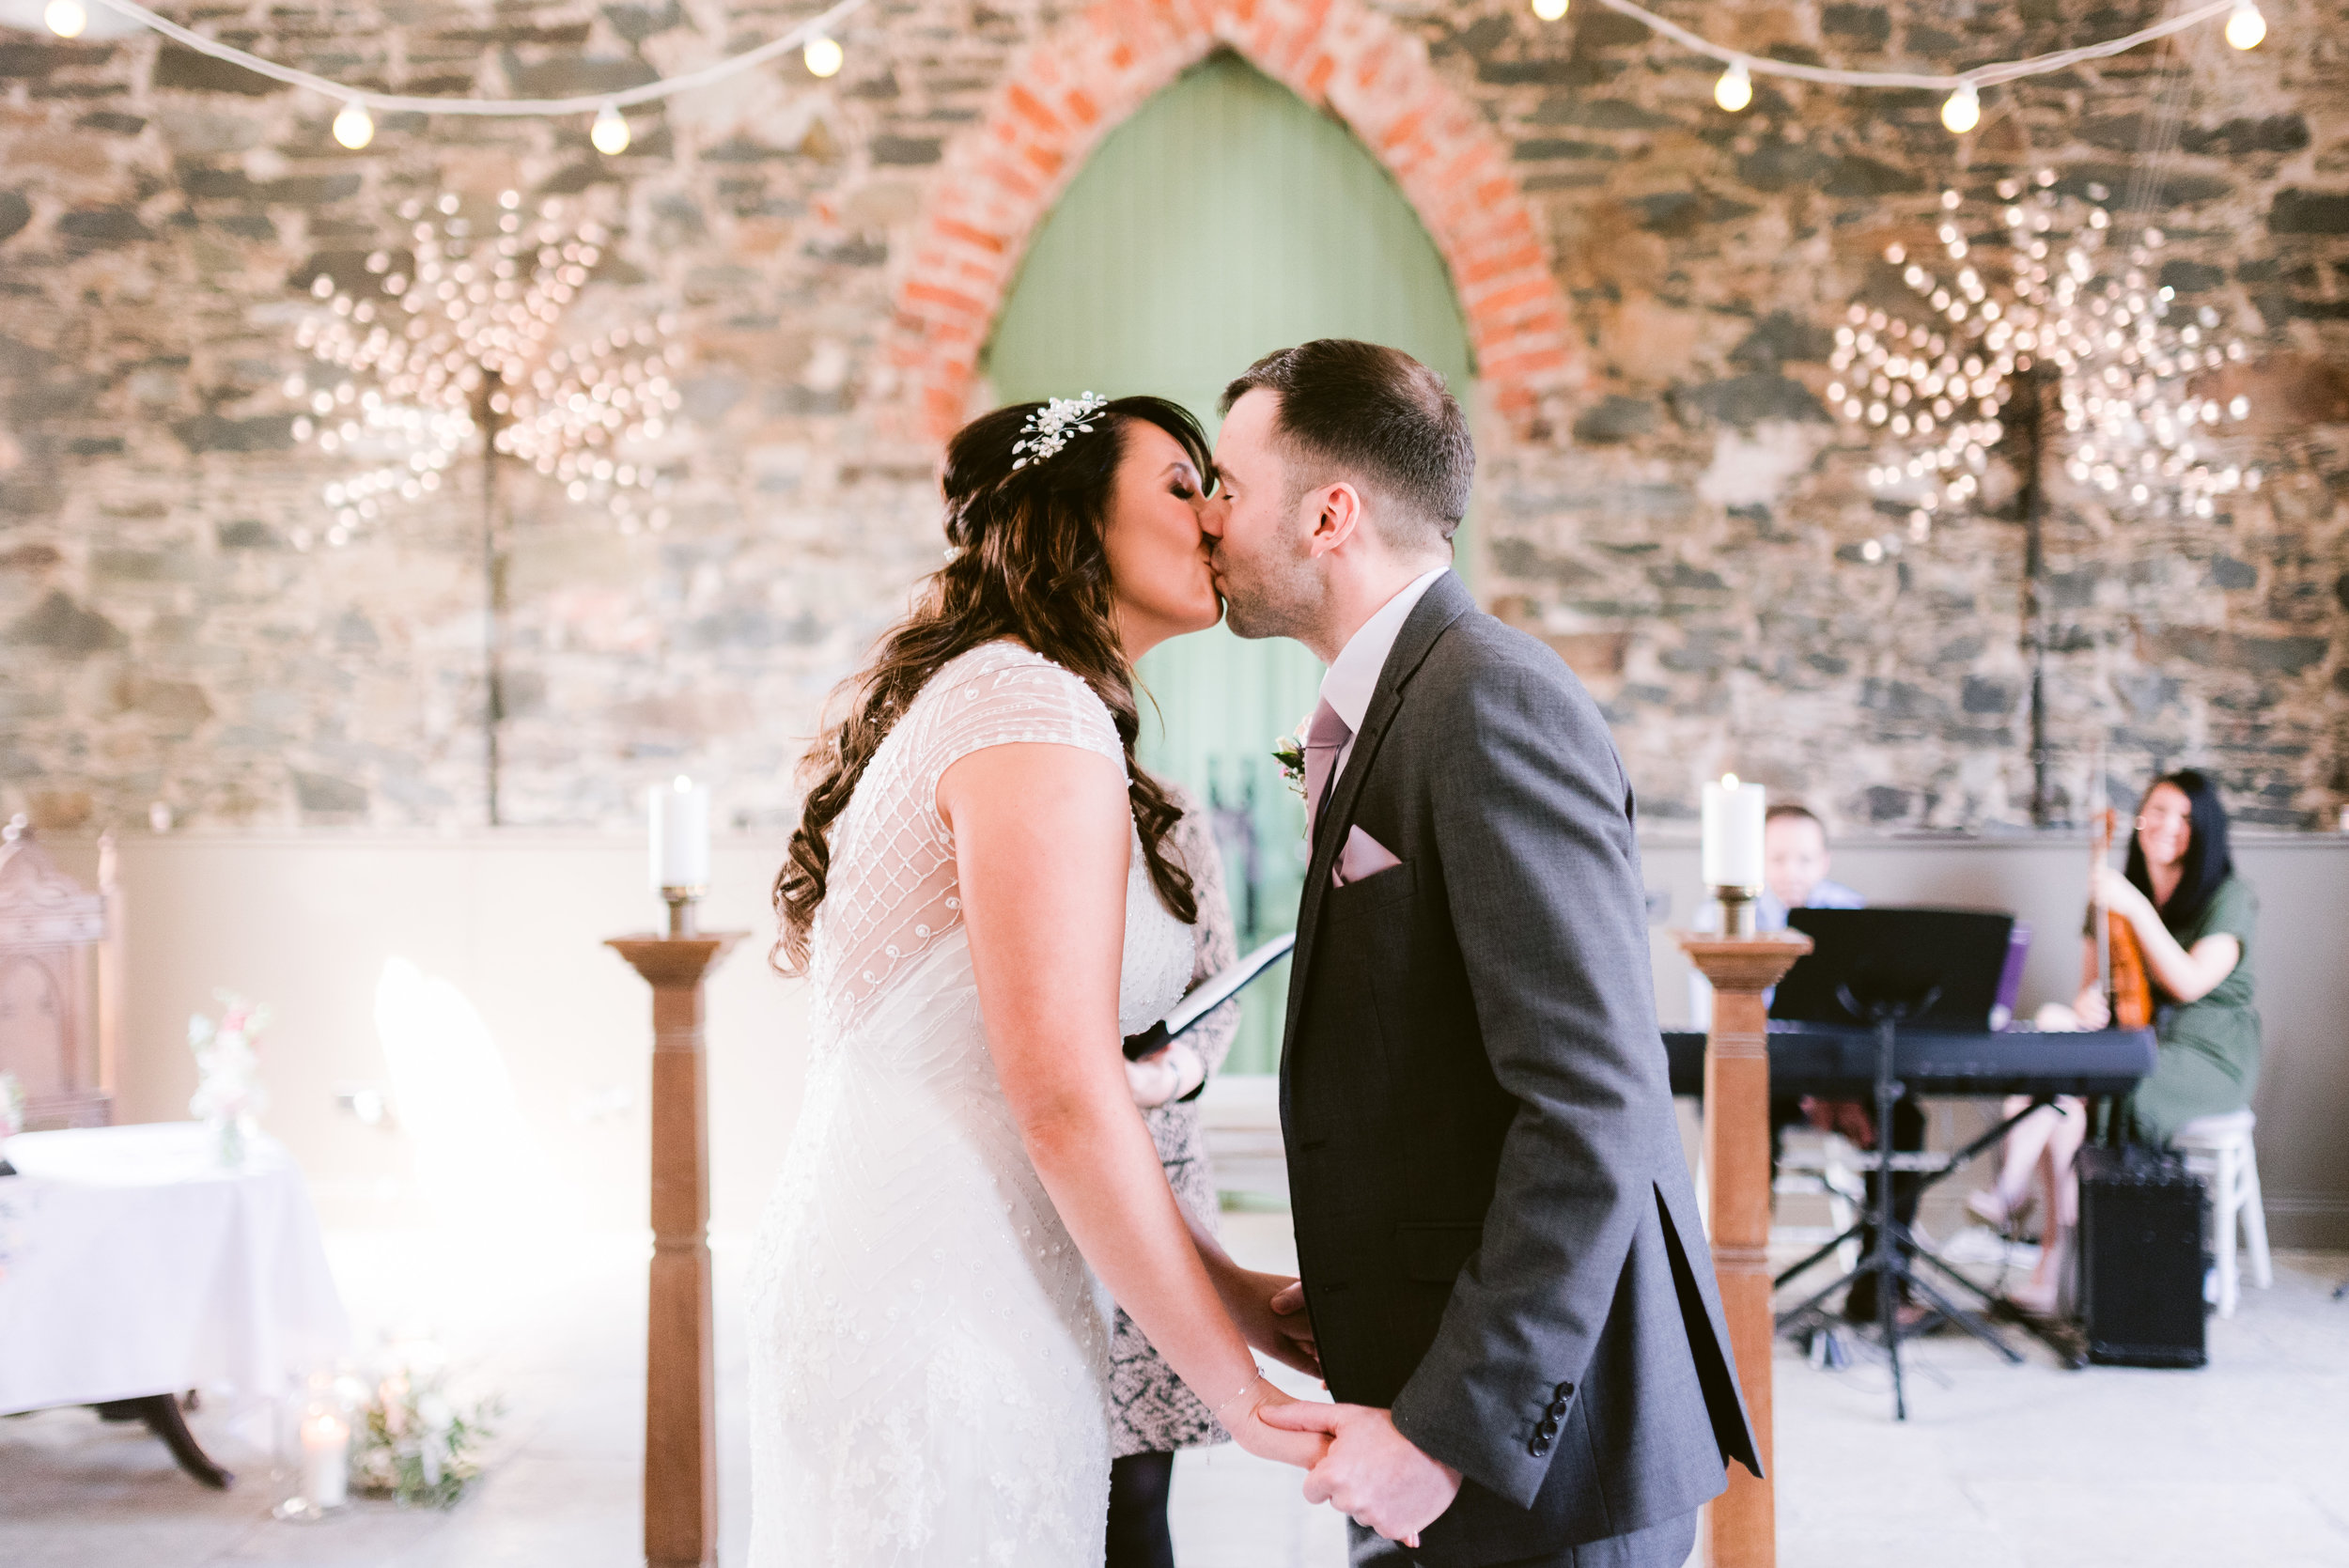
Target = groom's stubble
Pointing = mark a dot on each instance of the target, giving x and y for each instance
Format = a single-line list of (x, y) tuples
[(1281, 594)]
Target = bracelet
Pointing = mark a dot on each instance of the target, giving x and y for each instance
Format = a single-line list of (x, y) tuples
[(1249, 1389)]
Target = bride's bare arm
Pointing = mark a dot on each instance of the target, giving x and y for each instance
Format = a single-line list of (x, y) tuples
[(1042, 834)]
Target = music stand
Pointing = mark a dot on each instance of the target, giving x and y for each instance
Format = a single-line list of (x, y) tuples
[(1886, 968)]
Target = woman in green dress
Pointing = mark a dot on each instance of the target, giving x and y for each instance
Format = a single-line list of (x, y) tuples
[(2193, 917)]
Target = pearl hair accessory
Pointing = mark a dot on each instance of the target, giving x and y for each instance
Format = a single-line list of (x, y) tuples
[(1051, 427)]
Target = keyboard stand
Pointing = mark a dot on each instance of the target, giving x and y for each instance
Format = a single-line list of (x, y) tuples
[(1894, 1250)]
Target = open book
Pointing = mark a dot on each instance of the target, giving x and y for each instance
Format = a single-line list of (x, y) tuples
[(1208, 995)]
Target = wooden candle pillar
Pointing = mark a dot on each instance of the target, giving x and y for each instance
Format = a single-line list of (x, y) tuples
[(680, 1373), (1741, 1529)]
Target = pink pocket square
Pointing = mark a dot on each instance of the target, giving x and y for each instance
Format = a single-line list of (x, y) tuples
[(1363, 856)]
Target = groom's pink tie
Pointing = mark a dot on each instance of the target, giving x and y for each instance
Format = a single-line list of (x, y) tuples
[(1324, 737)]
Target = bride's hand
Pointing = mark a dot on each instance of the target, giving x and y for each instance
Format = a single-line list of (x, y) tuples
[(1243, 1417)]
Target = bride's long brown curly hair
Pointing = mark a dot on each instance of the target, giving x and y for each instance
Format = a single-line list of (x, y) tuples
[(1029, 563)]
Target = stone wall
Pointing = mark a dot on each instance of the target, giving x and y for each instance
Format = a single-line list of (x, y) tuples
[(1680, 514)]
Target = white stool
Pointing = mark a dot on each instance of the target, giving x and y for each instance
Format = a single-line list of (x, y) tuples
[(2218, 1149)]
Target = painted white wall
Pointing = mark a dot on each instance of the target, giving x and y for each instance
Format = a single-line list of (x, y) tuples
[(515, 922)]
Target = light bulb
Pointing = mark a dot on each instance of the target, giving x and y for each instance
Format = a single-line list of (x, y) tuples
[(352, 126), (1550, 10), (610, 133), (1734, 90), (1963, 111), (2245, 25), (823, 56), (66, 18)]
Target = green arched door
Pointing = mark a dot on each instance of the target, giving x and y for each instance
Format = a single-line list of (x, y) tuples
[(1224, 220)]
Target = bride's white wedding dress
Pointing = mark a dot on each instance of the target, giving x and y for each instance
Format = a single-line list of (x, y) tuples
[(929, 1350)]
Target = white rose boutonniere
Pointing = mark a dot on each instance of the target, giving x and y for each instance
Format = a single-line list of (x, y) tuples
[(1290, 754)]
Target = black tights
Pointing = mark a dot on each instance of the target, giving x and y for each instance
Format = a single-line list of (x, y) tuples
[(1138, 1534)]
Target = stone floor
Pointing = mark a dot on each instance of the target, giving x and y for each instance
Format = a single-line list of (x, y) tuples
[(2030, 1466)]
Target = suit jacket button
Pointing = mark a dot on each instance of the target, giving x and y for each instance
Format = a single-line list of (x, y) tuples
[(1538, 1447), (1548, 1428), (1557, 1407), (1564, 1390)]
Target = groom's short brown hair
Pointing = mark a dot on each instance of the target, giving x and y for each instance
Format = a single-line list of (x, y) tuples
[(1376, 416)]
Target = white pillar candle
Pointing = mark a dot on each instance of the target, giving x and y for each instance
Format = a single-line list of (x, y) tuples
[(680, 834), (325, 1459), (1733, 834)]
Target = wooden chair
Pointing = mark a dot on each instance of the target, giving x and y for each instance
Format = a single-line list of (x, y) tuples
[(60, 976)]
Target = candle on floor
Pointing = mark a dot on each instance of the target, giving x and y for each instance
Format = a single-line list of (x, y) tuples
[(325, 1459), (680, 834), (1733, 834)]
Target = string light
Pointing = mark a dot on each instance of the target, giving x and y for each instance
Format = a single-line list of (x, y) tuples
[(1977, 77), (814, 38), (352, 126), (458, 328), (819, 27), (1963, 111), (1734, 90), (66, 18), (823, 56), (610, 132)]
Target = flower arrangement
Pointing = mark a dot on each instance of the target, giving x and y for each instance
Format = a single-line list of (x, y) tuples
[(228, 1094), (1290, 754), (414, 1443)]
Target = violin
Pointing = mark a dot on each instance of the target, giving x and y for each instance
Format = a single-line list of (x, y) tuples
[(2120, 958)]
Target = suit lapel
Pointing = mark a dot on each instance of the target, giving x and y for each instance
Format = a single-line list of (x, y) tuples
[(1445, 601)]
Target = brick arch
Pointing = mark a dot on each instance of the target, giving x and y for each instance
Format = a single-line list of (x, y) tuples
[(1001, 178)]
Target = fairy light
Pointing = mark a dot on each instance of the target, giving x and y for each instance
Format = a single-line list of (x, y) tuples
[(1938, 377), (458, 326), (610, 132), (66, 18), (1962, 112), (814, 38), (354, 127), (1734, 90)]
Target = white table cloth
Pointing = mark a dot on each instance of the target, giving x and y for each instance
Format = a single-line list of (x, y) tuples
[(132, 1263)]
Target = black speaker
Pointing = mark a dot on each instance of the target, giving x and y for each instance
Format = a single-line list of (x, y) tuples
[(2141, 1258)]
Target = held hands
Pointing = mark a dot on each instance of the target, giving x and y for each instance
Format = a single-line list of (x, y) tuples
[(2092, 1011), (1269, 1312), (1373, 1472), (1248, 1416)]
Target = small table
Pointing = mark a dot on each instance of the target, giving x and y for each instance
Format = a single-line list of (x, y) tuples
[(132, 1267)]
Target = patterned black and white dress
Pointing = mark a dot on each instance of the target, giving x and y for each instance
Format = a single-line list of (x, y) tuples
[(1152, 1411)]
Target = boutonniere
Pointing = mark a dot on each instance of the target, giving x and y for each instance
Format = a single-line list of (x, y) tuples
[(1290, 754)]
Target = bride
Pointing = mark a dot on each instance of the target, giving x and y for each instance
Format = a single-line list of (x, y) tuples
[(983, 893)]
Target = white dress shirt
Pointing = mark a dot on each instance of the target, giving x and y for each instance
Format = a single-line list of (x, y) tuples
[(1353, 677)]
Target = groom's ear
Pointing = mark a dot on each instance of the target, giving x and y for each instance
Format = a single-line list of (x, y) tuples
[(1337, 516)]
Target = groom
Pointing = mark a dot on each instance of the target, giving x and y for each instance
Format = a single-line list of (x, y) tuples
[(1498, 1238)]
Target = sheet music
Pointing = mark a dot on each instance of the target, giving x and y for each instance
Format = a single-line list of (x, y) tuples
[(1228, 984)]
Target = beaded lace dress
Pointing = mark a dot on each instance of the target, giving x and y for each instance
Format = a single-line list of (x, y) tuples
[(929, 1350)]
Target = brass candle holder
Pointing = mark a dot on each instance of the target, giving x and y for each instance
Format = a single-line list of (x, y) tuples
[(1740, 908)]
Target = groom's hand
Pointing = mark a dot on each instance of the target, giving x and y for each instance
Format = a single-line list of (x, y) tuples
[(1372, 1472), (1269, 1312)]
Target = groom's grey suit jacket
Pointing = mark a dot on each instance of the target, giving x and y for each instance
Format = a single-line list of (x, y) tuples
[(1494, 1224)]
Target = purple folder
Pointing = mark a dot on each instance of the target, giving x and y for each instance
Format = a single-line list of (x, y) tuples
[(2011, 977)]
